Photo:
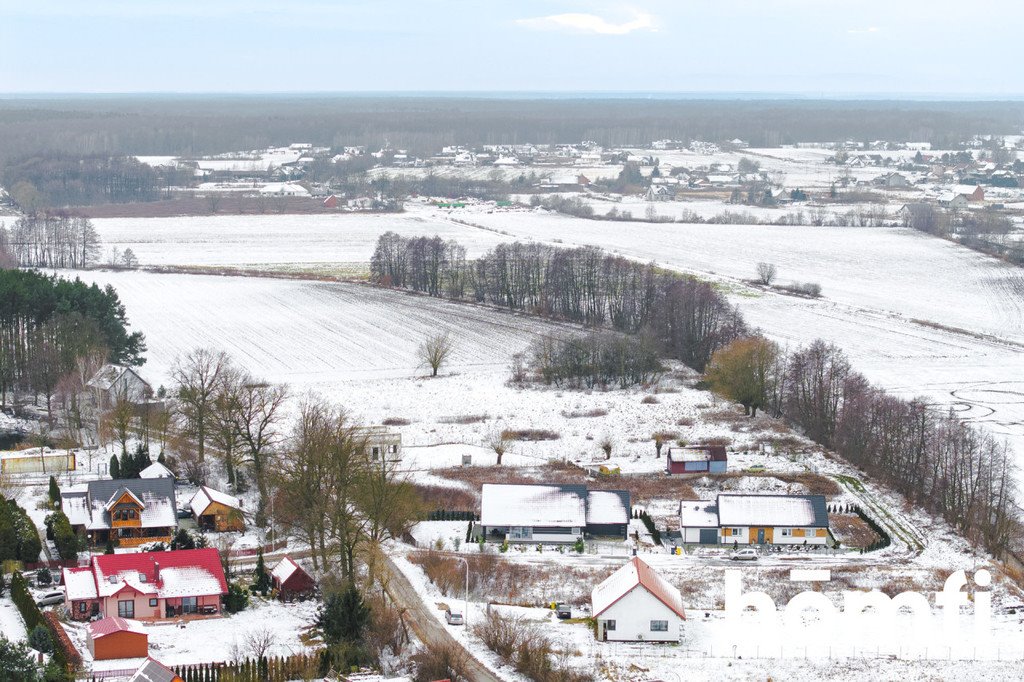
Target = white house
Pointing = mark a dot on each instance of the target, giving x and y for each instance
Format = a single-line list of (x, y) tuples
[(635, 604), (555, 513), (116, 382), (698, 522), (773, 519)]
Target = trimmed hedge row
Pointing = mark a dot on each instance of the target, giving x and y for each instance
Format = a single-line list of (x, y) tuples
[(64, 652)]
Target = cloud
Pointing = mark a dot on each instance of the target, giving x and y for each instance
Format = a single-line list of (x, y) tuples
[(590, 23)]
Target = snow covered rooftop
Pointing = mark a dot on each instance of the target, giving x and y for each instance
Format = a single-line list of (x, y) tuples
[(629, 576), (92, 511), (533, 505), (180, 573), (284, 569), (79, 583), (712, 453), (156, 470), (206, 496), (773, 510), (698, 514), (607, 507)]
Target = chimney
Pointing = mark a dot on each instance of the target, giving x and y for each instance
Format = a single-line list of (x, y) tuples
[(156, 572)]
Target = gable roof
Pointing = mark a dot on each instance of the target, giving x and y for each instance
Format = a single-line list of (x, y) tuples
[(89, 508), (154, 671), (114, 624), (773, 510), (182, 573), (698, 453), (634, 574), (118, 494), (607, 507), (205, 496), (285, 569), (698, 514), (156, 470)]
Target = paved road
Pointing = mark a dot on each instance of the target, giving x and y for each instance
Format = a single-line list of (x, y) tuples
[(426, 626)]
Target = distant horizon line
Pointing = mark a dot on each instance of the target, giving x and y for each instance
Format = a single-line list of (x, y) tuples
[(538, 94)]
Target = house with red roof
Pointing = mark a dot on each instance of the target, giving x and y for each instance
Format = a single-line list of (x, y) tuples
[(636, 604), (147, 585)]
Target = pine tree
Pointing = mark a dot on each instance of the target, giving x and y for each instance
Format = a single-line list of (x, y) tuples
[(262, 578), (54, 491)]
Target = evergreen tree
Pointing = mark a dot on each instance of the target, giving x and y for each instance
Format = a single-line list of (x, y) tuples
[(262, 580), (54, 491), (344, 616), (115, 468)]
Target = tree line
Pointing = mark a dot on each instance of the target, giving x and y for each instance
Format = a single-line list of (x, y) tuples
[(49, 325), (933, 458), (689, 318), (51, 240), (597, 359)]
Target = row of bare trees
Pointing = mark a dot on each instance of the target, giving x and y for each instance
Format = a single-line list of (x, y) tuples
[(689, 318), (932, 457), (595, 359), (52, 240)]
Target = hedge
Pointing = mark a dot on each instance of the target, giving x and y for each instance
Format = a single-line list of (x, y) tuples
[(64, 652)]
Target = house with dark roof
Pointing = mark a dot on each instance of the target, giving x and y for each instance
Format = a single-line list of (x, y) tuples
[(636, 604), (154, 671), (147, 585), (130, 512), (551, 513), (756, 520)]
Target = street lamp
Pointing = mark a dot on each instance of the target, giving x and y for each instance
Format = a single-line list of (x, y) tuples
[(465, 610)]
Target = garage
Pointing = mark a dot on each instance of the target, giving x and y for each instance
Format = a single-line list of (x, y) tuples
[(117, 638)]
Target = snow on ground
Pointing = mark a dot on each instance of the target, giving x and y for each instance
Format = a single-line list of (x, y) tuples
[(11, 625), (272, 240), (210, 640)]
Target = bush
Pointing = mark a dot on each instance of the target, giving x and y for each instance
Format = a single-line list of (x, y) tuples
[(237, 598), (39, 639), (44, 577), (651, 528)]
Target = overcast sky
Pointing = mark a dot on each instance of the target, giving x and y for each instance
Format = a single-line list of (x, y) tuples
[(829, 47)]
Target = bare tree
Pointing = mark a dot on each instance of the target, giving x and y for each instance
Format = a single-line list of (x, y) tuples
[(258, 642), (498, 443), (197, 379), (766, 273), (118, 421), (434, 351), (257, 416)]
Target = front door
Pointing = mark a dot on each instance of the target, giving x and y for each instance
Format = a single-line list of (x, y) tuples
[(188, 605), (760, 536)]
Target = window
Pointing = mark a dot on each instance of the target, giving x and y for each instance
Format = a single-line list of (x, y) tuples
[(189, 605), (659, 626), (126, 609), (735, 531), (376, 453), (152, 602), (609, 625), (786, 532), (82, 607)]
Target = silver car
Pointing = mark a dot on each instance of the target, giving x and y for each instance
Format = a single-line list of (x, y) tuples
[(453, 617), (745, 554), (51, 598)]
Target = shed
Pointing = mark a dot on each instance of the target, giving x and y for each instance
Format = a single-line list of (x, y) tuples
[(217, 511), (711, 459), (156, 470), (291, 581), (115, 637)]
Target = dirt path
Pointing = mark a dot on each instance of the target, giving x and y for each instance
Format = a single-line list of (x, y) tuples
[(426, 626)]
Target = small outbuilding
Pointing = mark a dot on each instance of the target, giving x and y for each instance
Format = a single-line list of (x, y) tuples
[(698, 522), (116, 637), (217, 511), (693, 459), (291, 581), (156, 470), (635, 604)]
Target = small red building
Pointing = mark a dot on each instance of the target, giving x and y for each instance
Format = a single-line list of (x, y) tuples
[(331, 202), (117, 638), (695, 459), (291, 581)]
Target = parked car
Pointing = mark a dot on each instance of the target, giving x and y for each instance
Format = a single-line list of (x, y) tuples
[(453, 617), (563, 611), (745, 554), (184, 513), (755, 469), (51, 598)]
